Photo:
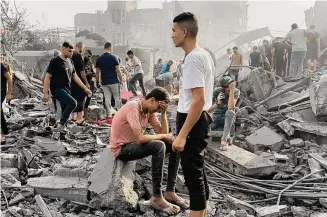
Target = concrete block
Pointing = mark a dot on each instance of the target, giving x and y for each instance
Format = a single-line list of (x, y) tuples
[(240, 161), (264, 139), (49, 144), (69, 188), (323, 202), (281, 160), (297, 142), (321, 160), (75, 172), (271, 211), (318, 99), (319, 214), (8, 160), (18, 198), (13, 171), (112, 183)]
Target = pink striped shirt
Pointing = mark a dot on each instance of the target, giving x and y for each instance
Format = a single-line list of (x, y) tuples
[(129, 117)]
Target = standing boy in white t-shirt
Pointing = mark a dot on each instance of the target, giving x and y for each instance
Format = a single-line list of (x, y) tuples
[(195, 98)]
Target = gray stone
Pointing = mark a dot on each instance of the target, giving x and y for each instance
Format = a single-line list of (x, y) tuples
[(27, 192), (112, 183), (281, 160), (49, 144), (241, 213), (319, 214), (16, 211), (264, 139), (18, 198), (28, 212), (297, 142), (239, 204), (286, 127), (8, 160), (318, 97), (316, 128), (144, 205), (13, 171), (321, 160), (271, 211), (314, 167), (180, 185), (99, 213), (299, 211), (70, 188), (323, 202), (8, 180), (239, 161), (67, 172)]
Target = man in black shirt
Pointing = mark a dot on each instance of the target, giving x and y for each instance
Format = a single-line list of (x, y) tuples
[(88, 69), (77, 92), (313, 46), (59, 76), (255, 59), (278, 53)]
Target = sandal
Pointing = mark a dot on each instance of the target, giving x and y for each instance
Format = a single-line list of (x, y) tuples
[(171, 210), (182, 203), (82, 123)]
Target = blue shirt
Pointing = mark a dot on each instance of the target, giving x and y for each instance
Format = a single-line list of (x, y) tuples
[(165, 68), (107, 64)]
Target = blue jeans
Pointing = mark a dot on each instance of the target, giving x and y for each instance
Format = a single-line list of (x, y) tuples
[(223, 118), (296, 64), (67, 103)]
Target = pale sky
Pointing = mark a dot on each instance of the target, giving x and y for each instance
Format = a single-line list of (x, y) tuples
[(277, 15)]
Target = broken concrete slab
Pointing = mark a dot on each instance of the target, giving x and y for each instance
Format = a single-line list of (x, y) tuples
[(239, 161), (112, 183), (8, 160), (314, 167), (264, 139), (18, 198), (70, 188), (49, 144), (43, 206), (68, 172), (323, 202), (319, 129), (271, 211), (13, 171), (319, 214), (318, 97), (321, 160), (286, 127), (239, 204), (8, 180), (180, 185), (297, 142)]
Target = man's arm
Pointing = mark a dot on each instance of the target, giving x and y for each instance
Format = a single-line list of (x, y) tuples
[(198, 101), (213, 107), (79, 82), (318, 44), (97, 75), (250, 59), (119, 73)]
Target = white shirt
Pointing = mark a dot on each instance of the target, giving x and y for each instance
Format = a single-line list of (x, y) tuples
[(137, 69), (197, 71)]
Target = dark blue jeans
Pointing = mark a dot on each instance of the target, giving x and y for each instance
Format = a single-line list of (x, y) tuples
[(218, 117), (67, 102)]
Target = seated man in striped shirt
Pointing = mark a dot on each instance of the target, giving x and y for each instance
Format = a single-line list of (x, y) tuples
[(128, 143)]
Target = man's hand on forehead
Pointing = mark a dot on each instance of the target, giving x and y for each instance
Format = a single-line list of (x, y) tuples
[(163, 104)]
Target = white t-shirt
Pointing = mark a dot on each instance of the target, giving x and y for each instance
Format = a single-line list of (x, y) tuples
[(197, 71), (137, 69)]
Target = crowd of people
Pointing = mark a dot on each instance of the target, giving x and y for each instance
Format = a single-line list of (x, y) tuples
[(72, 79)]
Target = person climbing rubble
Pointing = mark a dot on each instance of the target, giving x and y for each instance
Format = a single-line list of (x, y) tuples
[(223, 109)]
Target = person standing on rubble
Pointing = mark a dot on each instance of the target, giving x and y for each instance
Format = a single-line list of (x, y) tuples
[(77, 92), (89, 71), (128, 143), (193, 121), (255, 59), (157, 68), (265, 50), (224, 109), (236, 62), (109, 75), (278, 53), (137, 73), (59, 76), (313, 47), (297, 38), (6, 88), (166, 67)]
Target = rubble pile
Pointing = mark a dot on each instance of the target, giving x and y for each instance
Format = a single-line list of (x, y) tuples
[(277, 166)]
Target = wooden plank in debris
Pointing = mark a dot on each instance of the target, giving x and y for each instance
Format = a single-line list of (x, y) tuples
[(42, 205), (322, 161)]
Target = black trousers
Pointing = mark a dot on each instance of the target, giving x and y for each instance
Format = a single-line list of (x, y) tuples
[(192, 160), (4, 127)]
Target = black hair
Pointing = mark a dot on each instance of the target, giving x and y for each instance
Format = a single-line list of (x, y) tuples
[(159, 94), (89, 51), (235, 47), (67, 44), (126, 59), (130, 52), (107, 45), (189, 21), (294, 26)]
